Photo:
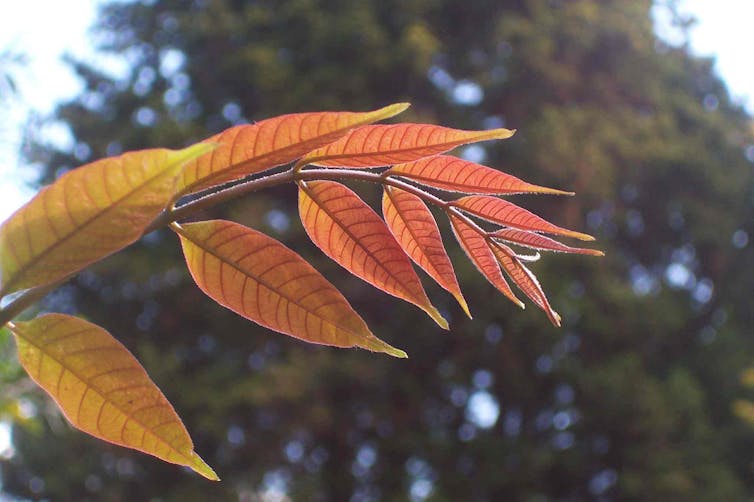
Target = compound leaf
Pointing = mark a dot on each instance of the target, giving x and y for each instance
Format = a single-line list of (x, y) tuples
[(253, 148), (88, 214), (382, 145), (260, 279), (452, 174), (416, 231), (347, 230), (102, 389)]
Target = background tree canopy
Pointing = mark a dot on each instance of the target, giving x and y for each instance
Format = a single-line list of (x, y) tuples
[(632, 399)]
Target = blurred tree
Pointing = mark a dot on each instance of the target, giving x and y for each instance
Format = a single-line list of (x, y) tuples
[(631, 400)]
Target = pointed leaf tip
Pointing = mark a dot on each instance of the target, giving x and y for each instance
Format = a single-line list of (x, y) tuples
[(377, 345), (201, 467), (465, 306), (500, 133), (437, 317), (391, 110)]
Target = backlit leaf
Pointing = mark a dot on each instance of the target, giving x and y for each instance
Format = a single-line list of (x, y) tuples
[(347, 230), (536, 241), (102, 389), (382, 145), (253, 148), (525, 280), (260, 279), (450, 173), (508, 214), (87, 214), (478, 250), (416, 231)]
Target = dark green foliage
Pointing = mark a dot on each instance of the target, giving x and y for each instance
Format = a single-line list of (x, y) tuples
[(630, 400)]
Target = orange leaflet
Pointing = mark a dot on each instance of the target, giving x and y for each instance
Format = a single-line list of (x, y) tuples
[(382, 145), (415, 228), (102, 389), (478, 250), (253, 148), (506, 213), (537, 241), (347, 230), (525, 280), (262, 280), (457, 175), (87, 214)]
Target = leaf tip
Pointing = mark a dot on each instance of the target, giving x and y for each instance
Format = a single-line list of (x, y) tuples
[(376, 345), (554, 318), (580, 236), (553, 191), (437, 317), (462, 302), (501, 133), (391, 110), (201, 467)]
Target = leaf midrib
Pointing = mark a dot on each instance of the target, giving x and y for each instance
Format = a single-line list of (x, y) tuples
[(79, 228), (264, 283), (358, 243)]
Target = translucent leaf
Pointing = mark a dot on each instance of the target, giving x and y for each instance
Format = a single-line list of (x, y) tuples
[(478, 250), (347, 230), (536, 241), (260, 279), (88, 214), (457, 175), (253, 148), (382, 145), (416, 231), (102, 389), (508, 214)]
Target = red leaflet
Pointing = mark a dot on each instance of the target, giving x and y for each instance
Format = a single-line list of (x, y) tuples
[(506, 213), (382, 145), (347, 230), (253, 148), (415, 228), (480, 254), (262, 280), (537, 241), (525, 280), (457, 175)]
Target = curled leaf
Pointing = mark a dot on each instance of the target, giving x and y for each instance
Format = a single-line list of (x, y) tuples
[(452, 174), (525, 280), (347, 230), (508, 214), (478, 250), (260, 279), (102, 389), (253, 148), (88, 214), (416, 231), (382, 145)]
